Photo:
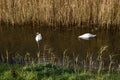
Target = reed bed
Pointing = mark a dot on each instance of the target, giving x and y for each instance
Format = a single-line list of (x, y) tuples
[(66, 13)]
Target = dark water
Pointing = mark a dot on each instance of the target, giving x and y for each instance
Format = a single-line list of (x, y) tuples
[(22, 40)]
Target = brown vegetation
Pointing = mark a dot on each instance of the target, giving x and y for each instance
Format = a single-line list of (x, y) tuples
[(60, 12)]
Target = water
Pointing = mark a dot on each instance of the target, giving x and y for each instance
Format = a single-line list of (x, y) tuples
[(22, 40)]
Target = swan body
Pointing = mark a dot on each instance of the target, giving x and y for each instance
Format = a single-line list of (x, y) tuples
[(38, 37), (87, 36)]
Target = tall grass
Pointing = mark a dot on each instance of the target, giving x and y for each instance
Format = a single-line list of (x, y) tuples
[(89, 62), (49, 70), (60, 12)]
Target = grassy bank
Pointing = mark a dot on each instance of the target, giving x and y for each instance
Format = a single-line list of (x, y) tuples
[(51, 72), (60, 12), (91, 67)]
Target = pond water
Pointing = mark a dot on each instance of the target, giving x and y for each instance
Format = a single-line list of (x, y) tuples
[(22, 40)]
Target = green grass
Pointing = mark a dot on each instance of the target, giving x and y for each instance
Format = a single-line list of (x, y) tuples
[(89, 69), (48, 71)]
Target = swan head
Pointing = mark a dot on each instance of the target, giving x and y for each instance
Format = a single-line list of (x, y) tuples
[(37, 33)]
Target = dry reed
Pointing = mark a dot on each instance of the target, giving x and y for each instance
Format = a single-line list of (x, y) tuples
[(60, 12)]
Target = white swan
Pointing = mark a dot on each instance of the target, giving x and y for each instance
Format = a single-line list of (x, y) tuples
[(86, 36), (38, 38)]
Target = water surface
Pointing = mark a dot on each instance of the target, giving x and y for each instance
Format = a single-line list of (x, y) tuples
[(22, 40)]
